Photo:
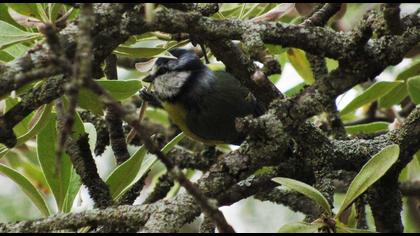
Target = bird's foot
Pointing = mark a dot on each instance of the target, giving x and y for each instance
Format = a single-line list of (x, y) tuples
[(150, 98)]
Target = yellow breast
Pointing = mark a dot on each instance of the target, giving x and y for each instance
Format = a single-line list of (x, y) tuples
[(178, 115)]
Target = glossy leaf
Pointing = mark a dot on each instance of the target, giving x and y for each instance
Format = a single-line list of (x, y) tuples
[(5, 57), (91, 131), (157, 115), (22, 126), (300, 227), (53, 10), (306, 190), (342, 228), (11, 35), (371, 94), (138, 51), (72, 190), (27, 188), (397, 94), (42, 13), (5, 16), (145, 67), (119, 89), (38, 122), (369, 128), (230, 11), (124, 174), (274, 13), (25, 21), (374, 169), (331, 64), (298, 59), (216, 66), (393, 97), (413, 87), (27, 9), (142, 52), (29, 169), (129, 172), (16, 50), (58, 182), (294, 90)]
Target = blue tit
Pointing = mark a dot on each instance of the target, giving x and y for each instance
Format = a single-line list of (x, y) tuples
[(202, 103)]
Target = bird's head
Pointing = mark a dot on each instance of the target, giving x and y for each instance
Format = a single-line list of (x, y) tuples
[(169, 75)]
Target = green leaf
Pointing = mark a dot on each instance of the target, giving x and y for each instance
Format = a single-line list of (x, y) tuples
[(5, 16), (216, 66), (342, 228), (331, 64), (275, 49), (90, 129), (141, 52), (30, 169), (171, 144), (22, 126), (27, 9), (352, 218), (5, 57), (397, 94), (306, 190), (374, 169), (41, 12), (274, 78), (137, 51), (72, 190), (39, 123), (27, 188), (300, 227), (298, 59), (53, 10), (234, 10), (294, 90), (124, 174), (157, 115), (413, 87), (119, 89), (371, 94), (393, 97), (369, 128), (46, 141), (411, 223), (129, 172), (11, 35), (16, 50), (57, 182)]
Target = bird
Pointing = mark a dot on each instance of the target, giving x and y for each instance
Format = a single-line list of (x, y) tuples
[(202, 103)]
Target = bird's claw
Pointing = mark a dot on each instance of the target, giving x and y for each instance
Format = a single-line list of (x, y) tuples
[(150, 98)]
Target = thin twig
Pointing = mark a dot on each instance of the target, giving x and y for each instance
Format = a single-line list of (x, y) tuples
[(81, 71), (132, 134), (323, 15)]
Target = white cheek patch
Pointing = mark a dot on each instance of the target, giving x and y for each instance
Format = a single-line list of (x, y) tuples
[(169, 85)]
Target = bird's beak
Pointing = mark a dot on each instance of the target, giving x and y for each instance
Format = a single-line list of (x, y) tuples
[(149, 78)]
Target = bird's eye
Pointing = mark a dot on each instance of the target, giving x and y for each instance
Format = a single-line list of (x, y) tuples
[(162, 70)]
